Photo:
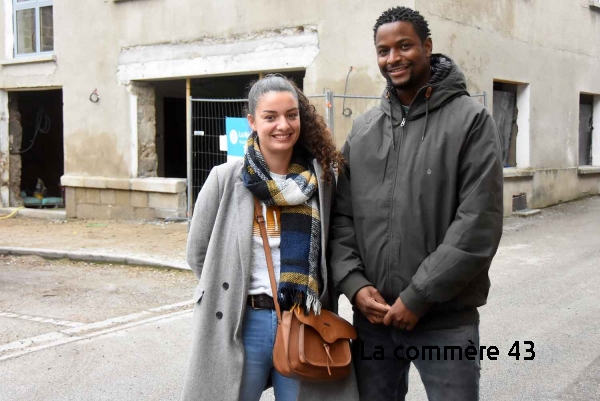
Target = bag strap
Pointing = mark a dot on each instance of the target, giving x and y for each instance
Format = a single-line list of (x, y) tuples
[(263, 233)]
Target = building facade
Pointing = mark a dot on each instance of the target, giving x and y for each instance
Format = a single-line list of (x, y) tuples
[(94, 94)]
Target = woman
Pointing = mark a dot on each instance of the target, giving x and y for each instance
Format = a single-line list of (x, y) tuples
[(288, 167)]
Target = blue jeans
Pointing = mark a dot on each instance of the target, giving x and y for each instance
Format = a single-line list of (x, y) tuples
[(382, 356), (258, 335)]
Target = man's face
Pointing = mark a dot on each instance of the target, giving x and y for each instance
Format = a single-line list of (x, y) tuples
[(402, 58)]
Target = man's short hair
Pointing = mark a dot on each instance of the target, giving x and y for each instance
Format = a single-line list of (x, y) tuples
[(406, 14)]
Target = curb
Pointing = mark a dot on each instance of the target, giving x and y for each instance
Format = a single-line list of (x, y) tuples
[(46, 214), (92, 257)]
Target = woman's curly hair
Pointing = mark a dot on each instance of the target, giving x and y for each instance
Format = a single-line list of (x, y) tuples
[(315, 137)]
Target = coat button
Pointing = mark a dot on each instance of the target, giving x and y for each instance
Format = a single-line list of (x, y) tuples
[(219, 315), (225, 286)]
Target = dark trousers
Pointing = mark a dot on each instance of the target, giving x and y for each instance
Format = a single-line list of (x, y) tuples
[(382, 356)]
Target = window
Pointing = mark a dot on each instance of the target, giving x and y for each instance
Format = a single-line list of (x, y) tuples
[(589, 134), (511, 113), (33, 26), (505, 115), (586, 126)]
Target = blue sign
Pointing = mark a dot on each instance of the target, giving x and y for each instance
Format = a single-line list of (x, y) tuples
[(238, 130)]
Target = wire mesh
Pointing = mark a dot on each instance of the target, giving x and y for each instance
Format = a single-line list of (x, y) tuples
[(208, 124)]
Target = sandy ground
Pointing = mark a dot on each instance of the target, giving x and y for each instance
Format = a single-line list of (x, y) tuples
[(158, 240)]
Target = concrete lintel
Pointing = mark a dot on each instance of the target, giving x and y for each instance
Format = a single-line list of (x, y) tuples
[(582, 170), (157, 184), (117, 183), (152, 184), (512, 172), (77, 181), (44, 58), (218, 57)]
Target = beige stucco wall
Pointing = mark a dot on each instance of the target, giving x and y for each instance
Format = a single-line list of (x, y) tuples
[(553, 46), (90, 36), (96, 135)]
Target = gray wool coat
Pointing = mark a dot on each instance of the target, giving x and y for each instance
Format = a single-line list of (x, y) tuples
[(219, 251)]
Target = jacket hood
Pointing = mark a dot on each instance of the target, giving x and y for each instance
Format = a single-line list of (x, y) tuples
[(446, 83)]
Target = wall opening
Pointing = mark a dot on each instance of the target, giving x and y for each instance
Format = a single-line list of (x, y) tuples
[(595, 160), (143, 120), (208, 118), (586, 127), (170, 128), (171, 119), (36, 148), (511, 113), (505, 114)]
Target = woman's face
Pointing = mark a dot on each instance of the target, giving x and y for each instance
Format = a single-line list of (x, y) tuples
[(277, 122)]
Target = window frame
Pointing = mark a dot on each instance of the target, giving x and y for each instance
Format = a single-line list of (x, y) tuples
[(28, 5)]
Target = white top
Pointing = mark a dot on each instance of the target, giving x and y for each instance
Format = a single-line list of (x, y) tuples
[(259, 272)]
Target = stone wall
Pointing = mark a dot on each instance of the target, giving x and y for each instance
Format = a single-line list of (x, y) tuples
[(4, 150), (124, 199), (146, 127), (16, 138)]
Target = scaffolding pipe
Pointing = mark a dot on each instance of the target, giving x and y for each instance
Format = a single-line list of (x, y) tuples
[(329, 109), (356, 97), (188, 145)]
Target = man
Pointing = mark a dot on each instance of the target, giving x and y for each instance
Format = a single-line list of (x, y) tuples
[(417, 221)]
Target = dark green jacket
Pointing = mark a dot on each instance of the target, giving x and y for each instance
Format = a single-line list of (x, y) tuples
[(419, 210)]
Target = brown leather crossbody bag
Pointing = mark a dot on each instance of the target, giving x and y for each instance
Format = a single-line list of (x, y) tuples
[(307, 347)]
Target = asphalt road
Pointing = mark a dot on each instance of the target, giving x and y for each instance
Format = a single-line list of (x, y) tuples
[(73, 331)]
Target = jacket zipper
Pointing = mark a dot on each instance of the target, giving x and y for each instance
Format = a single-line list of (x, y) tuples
[(391, 233), (390, 225)]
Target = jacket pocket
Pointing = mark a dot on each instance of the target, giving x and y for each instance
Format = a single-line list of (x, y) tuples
[(198, 293)]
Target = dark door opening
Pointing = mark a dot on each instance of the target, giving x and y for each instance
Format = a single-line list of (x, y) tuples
[(174, 140), (36, 125), (208, 119)]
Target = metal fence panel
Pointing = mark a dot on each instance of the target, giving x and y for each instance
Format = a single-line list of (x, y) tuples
[(208, 124), (322, 106)]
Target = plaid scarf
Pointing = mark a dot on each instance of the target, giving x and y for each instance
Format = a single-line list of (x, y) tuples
[(300, 223)]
